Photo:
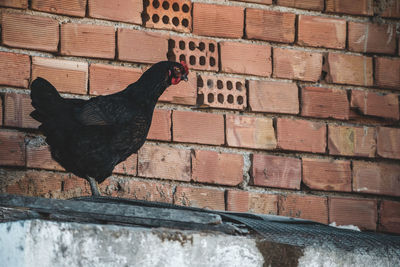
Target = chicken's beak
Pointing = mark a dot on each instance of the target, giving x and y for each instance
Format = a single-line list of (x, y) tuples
[(184, 77)]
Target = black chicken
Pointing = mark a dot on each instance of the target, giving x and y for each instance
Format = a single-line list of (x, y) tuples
[(90, 137)]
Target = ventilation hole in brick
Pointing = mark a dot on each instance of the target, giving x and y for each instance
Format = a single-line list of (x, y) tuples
[(146, 3), (220, 98), (175, 21), (175, 7), (212, 61), (210, 83), (229, 85), (192, 60), (220, 84), (200, 99), (239, 86), (185, 23), (210, 98), (182, 45), (240, 100), (165, 19), (145, 17), (192, 46), (156, 4), (185, 8), (165, 5), (202, 46), (182, 58), (211, 47), (230, 99), (202, 60), (155, 18), (200, 82)]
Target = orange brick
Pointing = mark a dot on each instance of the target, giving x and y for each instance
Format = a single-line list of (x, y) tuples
[(274, 171), (325, 103), (12, 152), (139, 46), (388, 142), (270, 25), (351, 141), (160, 128), (390, 216), (184, 93), (108, 79), (14, 69), (164, 162), (372, 38), (39, 156), (242, 201), (256, 62), (392, 10), (218, 20), (252, 132), (17, 108), (26, 31), (274, 97), (65, 7), (1, 111), (14, 3), (349, 69), (373, 104), (87, 40), (327, 175), (376, 178), (264, 2), (119, 10), (387, 72), (128, 166), (65, 76), (348, 211), (217, 168), (298, 65), (200, 198), (304, 4), (198, 127), (305, 207), (301, 135), (322, 32), (356, 7)]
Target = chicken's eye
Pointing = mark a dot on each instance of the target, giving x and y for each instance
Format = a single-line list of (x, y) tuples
[(177, 71)]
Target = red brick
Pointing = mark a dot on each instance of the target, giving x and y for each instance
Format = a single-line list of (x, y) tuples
[(17, 108), (139, 46), (252, 132), (376, 178), (327, 175), (87, 40), (298, 65), (313, 208), (351, 141), (108, 79), (74, 186), (217, 168), (356, 7), (325, 103), (242, 201), (390, 216), (164, 162), (270, 25), (388, 142), (12, 152), (128, 166), (301, 135), (65, 76), (274, 97), (119, 10), (14, 69), (39, 156), (264, 2), (375, 104), (348, 211), (14, 3), (349, 69), (387, 72), (392, 10), (322, 32), (218, 20), (372, 38), (65, 7), (198, 127), (26, 31), (184, 93), (256, 62), (1, 111), (274, 171), (204, 198), (303, 4), (160, 128)]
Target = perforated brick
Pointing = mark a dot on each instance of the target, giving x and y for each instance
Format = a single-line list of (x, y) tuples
[(222, 92), (199, 54), (168, 14)]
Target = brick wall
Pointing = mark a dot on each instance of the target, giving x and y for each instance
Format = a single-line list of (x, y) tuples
[(301, 102)]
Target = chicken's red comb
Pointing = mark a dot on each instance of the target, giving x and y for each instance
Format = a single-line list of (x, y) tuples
[(185, 66)]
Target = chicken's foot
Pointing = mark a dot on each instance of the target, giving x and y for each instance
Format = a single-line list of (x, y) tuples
[(94, 187)]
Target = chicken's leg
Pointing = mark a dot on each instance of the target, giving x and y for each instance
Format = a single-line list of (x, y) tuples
[(94, 187)]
